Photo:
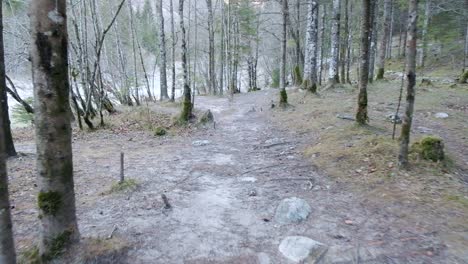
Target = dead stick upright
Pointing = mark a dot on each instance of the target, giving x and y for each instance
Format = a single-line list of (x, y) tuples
[(122, 168)]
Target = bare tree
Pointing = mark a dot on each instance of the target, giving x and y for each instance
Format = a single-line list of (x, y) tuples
[(7, 246), (311, 46), (410, 82), (9, 148), (173, 50), (385, 39), (211, 50), (187, 103), (283, 93), (333, 77), (56, 197), (162, 50), (361, 116)]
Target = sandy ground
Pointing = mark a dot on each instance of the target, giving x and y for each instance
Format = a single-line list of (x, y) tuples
[(213, 218)]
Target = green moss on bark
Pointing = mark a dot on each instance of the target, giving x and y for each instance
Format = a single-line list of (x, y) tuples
[(50, 202), (464, 77), (380, 74), (58, 245), (186, 111), (298, 75), (308, 86), (283, 98)]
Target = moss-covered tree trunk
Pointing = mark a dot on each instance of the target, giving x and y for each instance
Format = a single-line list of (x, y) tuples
[(56, 199), (7, 247), (5, 125), (187, 100), (283, 93), (384, 40), (410, 82), (361, 115), (311, 48)]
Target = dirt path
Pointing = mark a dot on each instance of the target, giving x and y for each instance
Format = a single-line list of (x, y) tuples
[(224, 185)]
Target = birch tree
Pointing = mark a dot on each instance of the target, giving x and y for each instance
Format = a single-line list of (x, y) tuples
[(333, 77), (7, 246), (211, 50), (173, 51), (311, 48), (384, 40), (56, 197), (162, 51), (187, 98), (361, 116), (424, 33), (283, 93), (410, 83)]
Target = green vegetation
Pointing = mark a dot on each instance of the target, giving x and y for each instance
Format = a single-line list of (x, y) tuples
[(275, 78), (430, 148), (160, 131), (20, 115), (125, 186), (49, 202)]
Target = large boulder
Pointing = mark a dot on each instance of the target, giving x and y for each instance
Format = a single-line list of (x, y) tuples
[(430, 148), (292, 210), (302, 249)]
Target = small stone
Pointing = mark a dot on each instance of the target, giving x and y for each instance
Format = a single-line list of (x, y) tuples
[(206, 118), (200, 143), (302, 249), (349, 222), (292, 210), (252, 193), (441, 115)]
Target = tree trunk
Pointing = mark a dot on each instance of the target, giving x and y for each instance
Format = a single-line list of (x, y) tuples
[(322, 44), (283, 93), (56, 197), (211, 49), (173, 50), (344, 42), (427, 17), (410, 83), (311, 48), (9, 147), (384, 39), (7, 246), (187, 104), (361, 116), (373, 39), (162, 50), (333, 77)]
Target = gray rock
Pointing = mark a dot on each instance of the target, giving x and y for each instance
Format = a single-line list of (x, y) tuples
[(425, 130), (292, 210), (207, 117), (302, 249), (200, 143), (441, 115), (345, 117), (394, 119)]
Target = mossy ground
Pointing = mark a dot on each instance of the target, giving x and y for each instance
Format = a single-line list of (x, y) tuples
[(365, 157), (128, 185)]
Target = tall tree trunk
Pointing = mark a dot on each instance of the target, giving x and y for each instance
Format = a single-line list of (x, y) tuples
[(384, 39), (344, 42), (187, 104), (322, 44), (162, 50), (311, 48), (373, 39), (333, 77), (211, 49), (283, 93), (410, 83), (427, 17), (173, 50), (361, 116), (7, 246), (392, 24), (56, 197), (222, 57), (5, 123)]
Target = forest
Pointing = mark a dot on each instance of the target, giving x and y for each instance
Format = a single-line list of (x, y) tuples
[(233, 131)]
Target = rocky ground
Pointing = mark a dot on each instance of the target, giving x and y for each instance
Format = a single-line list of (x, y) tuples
[(225, 184)]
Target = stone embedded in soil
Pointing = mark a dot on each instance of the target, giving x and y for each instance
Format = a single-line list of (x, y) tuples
[(441, 115), (302, 249), (200, 143), (292, 210)]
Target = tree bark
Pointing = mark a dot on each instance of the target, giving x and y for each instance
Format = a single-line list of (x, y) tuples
[(7, 246), (162, 50), (311, 48), (373, 39), (56, 197), (173, 50), (361, 116), (211, 49), (283, 93), (187, 104), (384, 39), (427, 17), (333, 77), (5, 124), (344, 42), (410, 83)]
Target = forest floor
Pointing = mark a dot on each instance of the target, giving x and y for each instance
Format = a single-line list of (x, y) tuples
[(225, 181)]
